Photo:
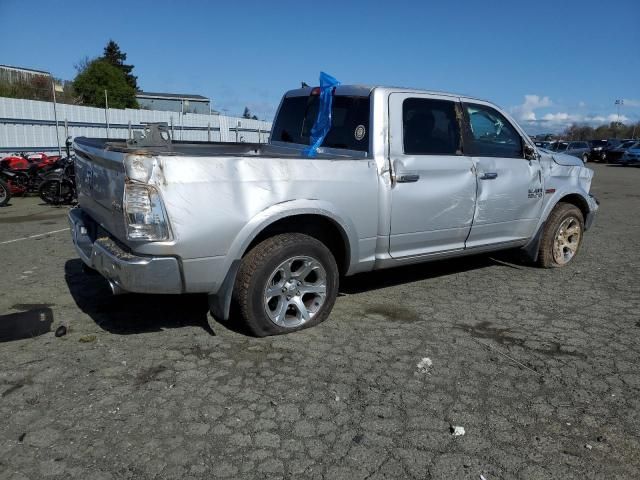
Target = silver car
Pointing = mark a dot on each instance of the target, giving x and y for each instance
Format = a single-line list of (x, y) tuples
[(578, 149)]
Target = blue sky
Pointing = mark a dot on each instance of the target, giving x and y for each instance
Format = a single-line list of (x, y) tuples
[(548, 62)]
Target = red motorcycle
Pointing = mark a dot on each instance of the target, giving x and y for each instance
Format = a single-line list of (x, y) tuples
[(24, 174), (5, 192)]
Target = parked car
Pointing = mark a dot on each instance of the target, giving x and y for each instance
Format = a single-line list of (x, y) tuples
[(600, 149), (576, 149), (632, 155), (402, 176), (541, 144), (615, 154)]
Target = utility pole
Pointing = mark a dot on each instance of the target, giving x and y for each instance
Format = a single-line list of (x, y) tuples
[(181, 117), (106, 111), (55, 114)]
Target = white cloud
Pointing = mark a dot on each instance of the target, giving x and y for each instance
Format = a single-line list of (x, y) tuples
[(615, 118), (560, 117), (629, 102), (526, 111), (564, 119), (582, 104)]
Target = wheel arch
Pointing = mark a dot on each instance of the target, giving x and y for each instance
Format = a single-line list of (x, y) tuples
[(321, 227), (575, 199), (314, 217)]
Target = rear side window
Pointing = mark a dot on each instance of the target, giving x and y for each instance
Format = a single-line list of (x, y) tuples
[(430, 127), (492, 134), (349, 123)]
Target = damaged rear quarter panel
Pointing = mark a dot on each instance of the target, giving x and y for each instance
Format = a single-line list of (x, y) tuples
[(211, 200)]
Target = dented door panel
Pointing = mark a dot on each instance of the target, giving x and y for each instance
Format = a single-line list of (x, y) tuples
[(433, 195)]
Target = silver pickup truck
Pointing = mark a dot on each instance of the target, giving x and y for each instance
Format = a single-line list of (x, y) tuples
[(403, 176)]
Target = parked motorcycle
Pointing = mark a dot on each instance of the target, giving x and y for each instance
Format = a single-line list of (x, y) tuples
[(5, 193), (59, 186), (24, 175)]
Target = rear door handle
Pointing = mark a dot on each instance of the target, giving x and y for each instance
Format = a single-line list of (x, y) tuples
[(489, 176), (407, 177)]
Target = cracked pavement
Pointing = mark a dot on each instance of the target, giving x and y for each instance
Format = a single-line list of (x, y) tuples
[(540, 367)]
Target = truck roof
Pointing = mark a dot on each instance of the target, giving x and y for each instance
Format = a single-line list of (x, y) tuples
[(358, 90)]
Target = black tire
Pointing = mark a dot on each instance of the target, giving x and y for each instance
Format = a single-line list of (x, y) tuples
[(256, 273), (5, 193), (56, 191), (585, 158), (561, 213)]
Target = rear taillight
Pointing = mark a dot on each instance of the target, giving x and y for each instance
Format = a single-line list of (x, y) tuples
[(144, 213)]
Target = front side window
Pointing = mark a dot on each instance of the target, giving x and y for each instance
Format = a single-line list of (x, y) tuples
[(430, 127), (492, 134)]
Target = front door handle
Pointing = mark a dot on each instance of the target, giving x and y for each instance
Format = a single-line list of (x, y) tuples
[(407, 177), (489, 176)]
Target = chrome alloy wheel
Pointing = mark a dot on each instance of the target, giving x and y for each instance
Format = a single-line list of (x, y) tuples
[(567, 240), (295, 292)]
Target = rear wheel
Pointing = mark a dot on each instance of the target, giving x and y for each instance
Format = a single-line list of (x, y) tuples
[(585, 158), (56, 191), (5, 193), (562, 236), (286, 283)]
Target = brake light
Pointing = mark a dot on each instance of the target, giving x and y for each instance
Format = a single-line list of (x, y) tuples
[(315, 91), (144, 213)]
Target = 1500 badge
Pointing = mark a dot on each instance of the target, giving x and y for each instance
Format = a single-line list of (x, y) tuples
[(535, 193)]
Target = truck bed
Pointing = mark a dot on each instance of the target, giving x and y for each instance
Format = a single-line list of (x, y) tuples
[(212, 149)]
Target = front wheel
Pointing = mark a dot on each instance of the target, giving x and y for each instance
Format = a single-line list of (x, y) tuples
[(562, 236), (286, 283), (5, 193)]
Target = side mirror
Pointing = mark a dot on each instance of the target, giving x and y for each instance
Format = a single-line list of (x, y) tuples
[(530, 153)]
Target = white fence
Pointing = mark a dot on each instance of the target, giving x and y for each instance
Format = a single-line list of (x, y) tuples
[(29, 125)]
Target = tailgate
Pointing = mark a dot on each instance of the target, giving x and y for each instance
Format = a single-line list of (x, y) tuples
[(100, 178)]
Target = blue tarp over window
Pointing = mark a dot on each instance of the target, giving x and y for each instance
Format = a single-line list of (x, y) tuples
[(323, 121)]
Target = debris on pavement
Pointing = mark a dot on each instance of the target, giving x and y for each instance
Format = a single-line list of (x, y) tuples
[(61, 331), (87, 339), (457, 431), (424, 365)]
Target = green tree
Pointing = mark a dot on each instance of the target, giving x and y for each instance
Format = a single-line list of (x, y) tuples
[(113, 55), (99, 76)]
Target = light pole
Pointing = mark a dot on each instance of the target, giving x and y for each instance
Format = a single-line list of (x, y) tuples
[(618, 103)]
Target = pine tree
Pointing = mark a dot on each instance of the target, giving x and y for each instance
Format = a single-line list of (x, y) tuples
[(98, 76), (116, 57)]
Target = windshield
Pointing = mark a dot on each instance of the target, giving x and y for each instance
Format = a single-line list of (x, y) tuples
[(598, 143), (627, 144), (559, 146), (349, 123)]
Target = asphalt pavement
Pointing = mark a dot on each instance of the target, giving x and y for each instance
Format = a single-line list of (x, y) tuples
[(482, 367)]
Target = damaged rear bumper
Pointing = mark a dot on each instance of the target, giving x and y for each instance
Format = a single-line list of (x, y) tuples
[(126, 272)]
